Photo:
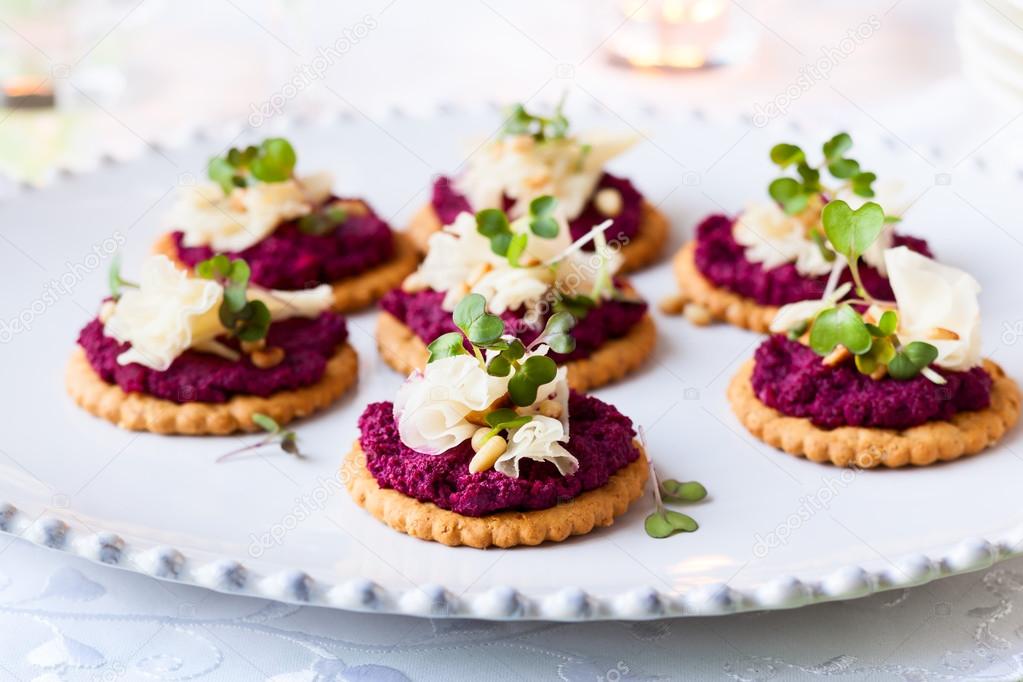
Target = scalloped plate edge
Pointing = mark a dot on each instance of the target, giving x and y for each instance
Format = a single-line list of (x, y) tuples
[(231, 576)]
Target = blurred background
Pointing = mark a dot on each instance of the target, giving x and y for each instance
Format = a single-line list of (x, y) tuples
[(88, 79)]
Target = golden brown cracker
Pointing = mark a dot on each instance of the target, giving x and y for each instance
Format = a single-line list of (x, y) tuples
[(141, 412), (722, 304), (966, 433), (427, 521)]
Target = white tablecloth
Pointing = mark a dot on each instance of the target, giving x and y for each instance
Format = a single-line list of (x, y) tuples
[(65, 619)]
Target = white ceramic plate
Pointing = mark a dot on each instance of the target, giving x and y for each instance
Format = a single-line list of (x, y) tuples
[(776, 532)]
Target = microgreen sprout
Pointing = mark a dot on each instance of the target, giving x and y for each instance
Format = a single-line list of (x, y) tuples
[(541, 217), (115, 281), (556, 333), (273, 160), (875, 346), (851, 232), (246, 320), (493, 224), (288, 440), (484, 333), (520, 121), (504, 419), (664, 522), (795, 194)]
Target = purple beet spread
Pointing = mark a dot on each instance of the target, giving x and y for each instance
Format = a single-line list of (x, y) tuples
[(291, 259), (722, 260), (448, 203), (791, 378), (202, 377), (422, 313), (601, 439)]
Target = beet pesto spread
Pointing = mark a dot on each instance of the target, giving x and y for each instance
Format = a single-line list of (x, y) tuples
[(601, 439), (791, 378), (722, 260), (308, 345), (291, 258)]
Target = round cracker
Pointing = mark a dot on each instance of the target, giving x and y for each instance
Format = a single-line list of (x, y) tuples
[(141, 412), (722, 304), (426, 521), (966, 433)]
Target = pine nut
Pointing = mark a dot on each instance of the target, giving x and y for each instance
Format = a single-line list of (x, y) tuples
[(837, 356), (697, 314), (478, 417), (267, 357), (477, 438), (673, 304), (942, 334), (488, 454), (550, 408), (608, 201)]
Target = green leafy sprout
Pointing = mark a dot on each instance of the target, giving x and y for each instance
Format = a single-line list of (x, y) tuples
[(504, 419), (664, 522), (804, 186), (288, 440), (493, 223), (484, 331), (794, 193), (273, 160), (244, 319), (872, 345), (851, 232), (520, 121)]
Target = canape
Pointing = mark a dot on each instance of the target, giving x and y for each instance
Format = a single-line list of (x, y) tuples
[(870, 382), (292, 230), (528, 269), (534, 156), (204, 353), (488, 445), (741, 270)]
